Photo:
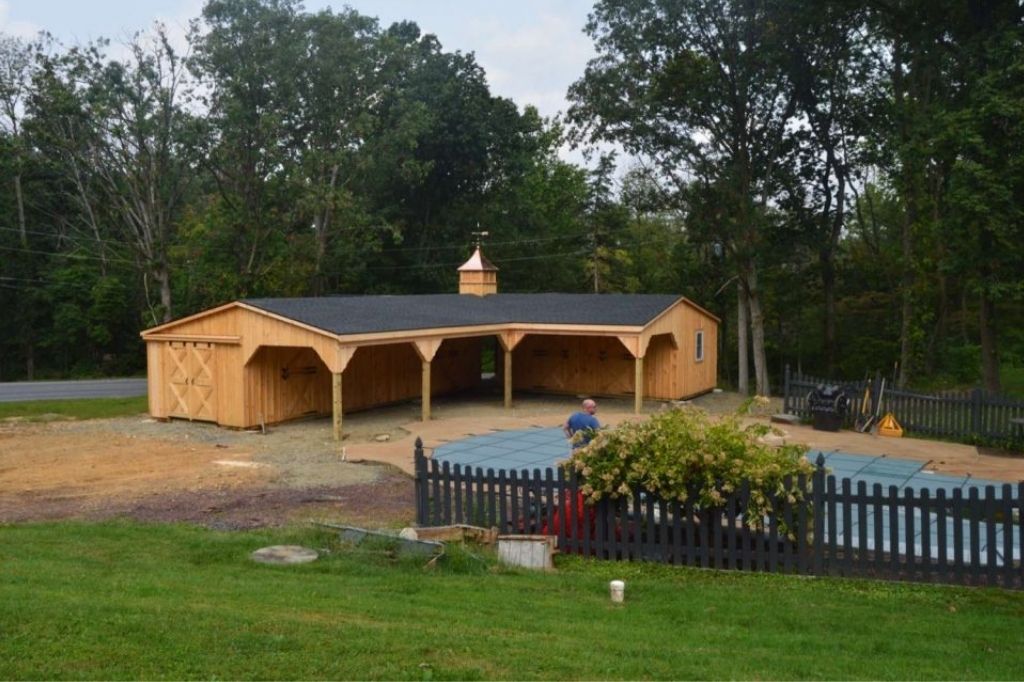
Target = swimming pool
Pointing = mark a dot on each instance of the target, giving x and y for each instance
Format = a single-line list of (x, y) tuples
[(543, 448)]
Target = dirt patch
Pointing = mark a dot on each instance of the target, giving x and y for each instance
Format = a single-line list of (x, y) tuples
[(179, 471)]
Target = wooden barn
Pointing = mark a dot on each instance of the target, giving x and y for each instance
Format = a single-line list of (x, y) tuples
[(264, 361)]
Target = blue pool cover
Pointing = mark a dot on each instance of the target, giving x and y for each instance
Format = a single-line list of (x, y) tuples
[(544, 448)]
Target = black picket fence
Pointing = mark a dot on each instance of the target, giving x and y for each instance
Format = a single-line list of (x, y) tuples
[(829, 528), (971, 416)]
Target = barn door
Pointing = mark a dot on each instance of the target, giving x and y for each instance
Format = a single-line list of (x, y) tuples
[(191, 385), (300, 372)]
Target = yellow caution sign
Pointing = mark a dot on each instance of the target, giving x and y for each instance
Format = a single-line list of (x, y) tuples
[(890, 427)]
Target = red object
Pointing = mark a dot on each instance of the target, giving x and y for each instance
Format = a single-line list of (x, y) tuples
[(578, 521)]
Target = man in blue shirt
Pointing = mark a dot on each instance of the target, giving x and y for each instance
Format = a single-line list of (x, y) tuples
[(583, 421)]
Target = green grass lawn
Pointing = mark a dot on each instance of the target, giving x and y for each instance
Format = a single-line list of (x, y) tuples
[(118, 601), (80, 408)]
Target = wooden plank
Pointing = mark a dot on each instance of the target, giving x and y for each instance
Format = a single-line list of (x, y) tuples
[(862, 526), (504, 522), (974, 565), (550, 501), (515, 516), (1006, 512), (958, 534), (941, 537), (446, 492), (773, 537), (991, 548), (831, 554), (926, 535), (435, 479), (479, 517), (663, 531), (879, 536), (787, 515), (336, 405), (730, 557), (536, 483), (425, 392), (492, 511), (507, 379), (894, 532), (1020, 533), (704, 531), (562, 509), (638, 385), (457, 483), (803, 549), (845, 566), (201, 338), (909, 534)]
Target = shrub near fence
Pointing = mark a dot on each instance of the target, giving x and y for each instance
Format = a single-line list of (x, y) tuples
[(838, 530), (969, 416)]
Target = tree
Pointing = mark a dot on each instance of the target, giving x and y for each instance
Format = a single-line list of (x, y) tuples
[(15, 74), (142, 153), (686, 84), (825, 53)]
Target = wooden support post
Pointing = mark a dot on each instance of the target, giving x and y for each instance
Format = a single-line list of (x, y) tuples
[(638, 384), (508, 379), (336, 403), (426, 390)]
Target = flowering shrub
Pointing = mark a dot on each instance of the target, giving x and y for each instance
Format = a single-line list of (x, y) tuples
[(683, 455)]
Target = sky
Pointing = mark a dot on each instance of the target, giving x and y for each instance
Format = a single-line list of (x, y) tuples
[(531, 50)]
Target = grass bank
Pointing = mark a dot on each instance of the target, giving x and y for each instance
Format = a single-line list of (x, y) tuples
[(110, 601), (79, 408)]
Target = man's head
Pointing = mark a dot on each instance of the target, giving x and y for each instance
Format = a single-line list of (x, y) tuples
[(589, 406)]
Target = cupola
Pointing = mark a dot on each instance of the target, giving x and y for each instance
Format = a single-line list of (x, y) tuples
[(478, 276)]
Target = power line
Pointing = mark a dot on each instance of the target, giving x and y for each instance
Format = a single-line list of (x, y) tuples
[(72, 256)]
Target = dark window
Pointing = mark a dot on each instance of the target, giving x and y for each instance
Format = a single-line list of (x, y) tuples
[(699, 346)]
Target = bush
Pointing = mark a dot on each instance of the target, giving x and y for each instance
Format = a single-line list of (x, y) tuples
[(683, 455)]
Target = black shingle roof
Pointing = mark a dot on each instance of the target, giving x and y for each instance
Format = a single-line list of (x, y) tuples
[(369, 314)]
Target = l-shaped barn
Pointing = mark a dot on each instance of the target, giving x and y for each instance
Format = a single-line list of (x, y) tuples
[(268, 360)]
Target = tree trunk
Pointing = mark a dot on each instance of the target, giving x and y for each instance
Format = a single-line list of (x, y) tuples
[(906, 286), (163, 277), (20, 201), (989, 349), (828, 288), (761, 382), (743, 354)]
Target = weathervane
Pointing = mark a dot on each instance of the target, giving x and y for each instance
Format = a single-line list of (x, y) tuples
[(479, 236)]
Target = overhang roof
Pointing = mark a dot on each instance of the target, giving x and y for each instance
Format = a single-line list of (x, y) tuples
[(345, 315)]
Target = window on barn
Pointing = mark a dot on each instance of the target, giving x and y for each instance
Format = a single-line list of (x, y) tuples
[(699, 346)]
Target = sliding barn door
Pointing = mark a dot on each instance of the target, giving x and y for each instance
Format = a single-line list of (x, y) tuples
[(191, 385)]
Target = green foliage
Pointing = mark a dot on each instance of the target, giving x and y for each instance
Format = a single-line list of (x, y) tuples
[(683, 454)]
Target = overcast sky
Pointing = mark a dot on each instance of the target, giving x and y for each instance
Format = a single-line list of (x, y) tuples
[(532, 50)]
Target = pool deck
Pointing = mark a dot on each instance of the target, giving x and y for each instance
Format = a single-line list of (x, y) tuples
[(950, 459)]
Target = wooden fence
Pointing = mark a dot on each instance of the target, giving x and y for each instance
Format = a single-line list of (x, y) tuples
[(835, 529), (971, 416)]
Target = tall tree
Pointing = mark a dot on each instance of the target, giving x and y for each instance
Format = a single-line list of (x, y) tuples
[(15, 75), (686, 84)]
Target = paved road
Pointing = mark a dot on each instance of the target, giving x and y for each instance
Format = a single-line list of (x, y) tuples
[(13, 391)]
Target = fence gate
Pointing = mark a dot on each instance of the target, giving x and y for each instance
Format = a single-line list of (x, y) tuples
[(191, 389)]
